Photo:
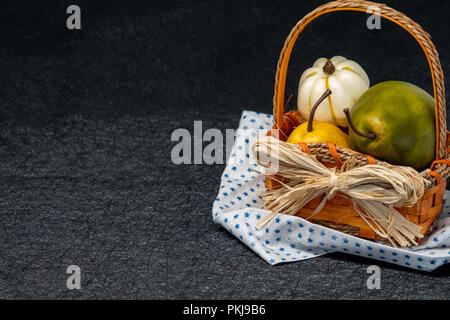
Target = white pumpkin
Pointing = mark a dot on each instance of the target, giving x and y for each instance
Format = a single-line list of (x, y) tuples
[(346, 80)]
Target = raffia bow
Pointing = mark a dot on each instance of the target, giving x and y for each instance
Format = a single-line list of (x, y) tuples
[(375, 190)]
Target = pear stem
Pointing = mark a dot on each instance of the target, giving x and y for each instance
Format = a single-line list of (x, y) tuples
[(313, 110), (369, 135)]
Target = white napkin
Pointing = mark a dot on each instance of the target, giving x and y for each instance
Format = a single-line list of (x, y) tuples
[(288, 238)]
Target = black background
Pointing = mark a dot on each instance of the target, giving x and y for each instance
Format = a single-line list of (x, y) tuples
[(86, 119)]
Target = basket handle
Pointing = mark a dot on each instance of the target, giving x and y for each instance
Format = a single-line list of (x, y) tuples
[(388, 13)]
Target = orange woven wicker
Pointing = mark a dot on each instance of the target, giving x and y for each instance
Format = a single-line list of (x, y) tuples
[(338, 213)]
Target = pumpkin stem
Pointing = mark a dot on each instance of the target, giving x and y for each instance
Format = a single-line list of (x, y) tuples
[(313, 110), (329, 68), (369, 135)]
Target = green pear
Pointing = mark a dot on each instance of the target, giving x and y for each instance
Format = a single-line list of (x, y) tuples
[(394, 121)]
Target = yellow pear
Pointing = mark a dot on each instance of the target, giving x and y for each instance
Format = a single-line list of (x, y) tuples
[(319, 131), (323, 132)]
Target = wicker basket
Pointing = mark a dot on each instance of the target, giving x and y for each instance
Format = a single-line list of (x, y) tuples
[(338, 212)]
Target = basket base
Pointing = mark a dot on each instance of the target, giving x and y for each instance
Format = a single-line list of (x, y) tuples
[(338, 213)]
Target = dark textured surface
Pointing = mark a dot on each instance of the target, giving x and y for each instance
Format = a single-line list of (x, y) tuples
[(86, 119)]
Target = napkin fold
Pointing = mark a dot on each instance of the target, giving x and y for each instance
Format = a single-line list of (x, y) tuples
[(288, 238)]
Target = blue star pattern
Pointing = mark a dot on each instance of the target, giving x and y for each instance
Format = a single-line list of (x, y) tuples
[(286, 238)]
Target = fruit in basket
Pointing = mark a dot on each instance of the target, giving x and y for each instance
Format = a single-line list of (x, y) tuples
[(345, 78), (394, 121), (318, 131)]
